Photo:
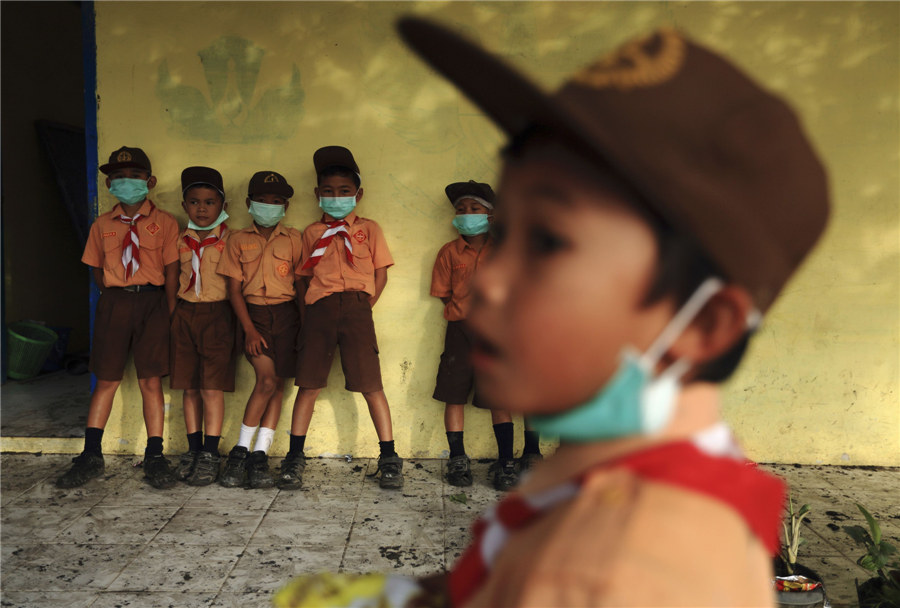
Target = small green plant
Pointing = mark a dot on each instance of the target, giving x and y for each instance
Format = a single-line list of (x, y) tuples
[(878, 560), (792, 540)]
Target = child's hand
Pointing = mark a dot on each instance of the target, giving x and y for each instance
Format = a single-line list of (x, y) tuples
[(254, 343)]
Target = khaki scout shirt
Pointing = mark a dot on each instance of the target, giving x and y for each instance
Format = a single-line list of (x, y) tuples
[(266, 267), (628, 541), (452, 275), (333, 274), (158, 238), (213, 286)]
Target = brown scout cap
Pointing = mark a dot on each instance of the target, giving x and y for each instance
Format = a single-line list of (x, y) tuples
[(202, 176), (126, 157), (331, 156), (458, 190), (724, 161), (269, 182)]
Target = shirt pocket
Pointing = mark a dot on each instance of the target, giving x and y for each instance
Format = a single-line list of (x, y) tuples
[(282, 260), (248, 256), (362, 259)]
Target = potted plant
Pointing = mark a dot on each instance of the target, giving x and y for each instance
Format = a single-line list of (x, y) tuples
[(883, 589), (795, 584)]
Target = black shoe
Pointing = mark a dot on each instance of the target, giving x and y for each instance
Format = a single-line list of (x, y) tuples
[(186, 464), (527, 461), (157, 471), (206, 470), (258, 471), (291, 475), (235, 468), (459, 471), (391, 468), (506, 476), (86, 466)]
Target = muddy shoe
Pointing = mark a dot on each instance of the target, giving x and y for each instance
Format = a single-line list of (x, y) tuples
[(235, 468), (391, 469), (157, 471), (85, 466), (291, 475), (186, 465), (459, 471), (527, 461), (206, 470), (505, 474), (258, 471)]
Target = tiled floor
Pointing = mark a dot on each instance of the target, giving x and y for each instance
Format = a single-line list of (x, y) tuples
[(118, 542)]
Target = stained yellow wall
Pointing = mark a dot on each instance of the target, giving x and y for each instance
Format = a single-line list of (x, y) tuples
[(250, 86)]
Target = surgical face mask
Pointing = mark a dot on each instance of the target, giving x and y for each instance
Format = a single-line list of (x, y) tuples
[(337, 207), (635, 401), (128, 190), (471, 224), (222, 217), (266, 215)]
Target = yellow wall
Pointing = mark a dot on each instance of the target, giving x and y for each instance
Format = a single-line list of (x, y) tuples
[(250, 86)]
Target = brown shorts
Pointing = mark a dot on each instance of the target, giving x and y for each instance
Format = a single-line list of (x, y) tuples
[(135, 322), (456, 377), (202, 346), (278, 326), (342, 319)]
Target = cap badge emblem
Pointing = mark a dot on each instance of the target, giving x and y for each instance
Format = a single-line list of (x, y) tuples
[(643, 62), (124, 156), (271, 178)]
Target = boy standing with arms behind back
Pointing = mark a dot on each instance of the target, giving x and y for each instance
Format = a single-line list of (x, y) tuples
[(133, 253), (652, 209), (345, 262)]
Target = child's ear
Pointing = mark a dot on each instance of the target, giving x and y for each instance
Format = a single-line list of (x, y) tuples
[(108, 183), (248, 202), (184, 206), (151, 182), (287, 203), (359, 194), (718, 327), (316, 191)]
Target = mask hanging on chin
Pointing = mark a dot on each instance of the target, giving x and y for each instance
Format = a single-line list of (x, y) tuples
[(635, 401), (222, 217)]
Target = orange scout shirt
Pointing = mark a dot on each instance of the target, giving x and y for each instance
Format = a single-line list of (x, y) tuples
[(452, 275), (624, 540), (213, 286), (266, 267), (333, 274), (158, 238)]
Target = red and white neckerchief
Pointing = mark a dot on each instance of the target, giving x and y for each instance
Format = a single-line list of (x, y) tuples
[(131, 247), (710, 465), (332, 229), (197, 246)]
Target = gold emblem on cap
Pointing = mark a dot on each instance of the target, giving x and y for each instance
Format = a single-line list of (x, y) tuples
[(124, 156), (270, 178), (642, 62)]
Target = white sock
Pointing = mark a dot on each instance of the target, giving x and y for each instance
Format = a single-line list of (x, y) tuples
[(246, 436), (264, 439)]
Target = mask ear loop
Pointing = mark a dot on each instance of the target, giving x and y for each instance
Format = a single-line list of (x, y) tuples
[(679, 323)]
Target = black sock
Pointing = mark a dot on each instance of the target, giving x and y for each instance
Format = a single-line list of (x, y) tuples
[(297, 443), (455, 439), (211, 444), (154, 446), (532, 443), (504, 434), (195, 441), (92, 438), (387, 448)]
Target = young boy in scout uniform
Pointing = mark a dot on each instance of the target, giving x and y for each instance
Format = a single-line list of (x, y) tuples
[(133, 253), (202, 344), (651, 210), (450, 279), (345, 262), (259, 265)]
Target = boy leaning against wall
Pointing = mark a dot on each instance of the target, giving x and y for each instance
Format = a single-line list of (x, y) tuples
[(133, 253), (259, 265), (203, 325), (451, 276), (650, 211)]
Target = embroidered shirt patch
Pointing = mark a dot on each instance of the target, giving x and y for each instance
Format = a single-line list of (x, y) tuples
[(109, 234), (220, 245), (283, 269), (360, 236), (249, 246), (153, 228)]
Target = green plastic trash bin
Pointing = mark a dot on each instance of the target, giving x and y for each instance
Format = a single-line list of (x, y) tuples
[(29, 344)]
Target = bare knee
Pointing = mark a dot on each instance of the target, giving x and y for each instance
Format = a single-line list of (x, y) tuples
[(267, 385), (153, 384)]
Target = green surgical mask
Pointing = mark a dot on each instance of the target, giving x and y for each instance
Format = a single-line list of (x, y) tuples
[(266, 215), (472, 224), (129, 190), (337, 207)]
